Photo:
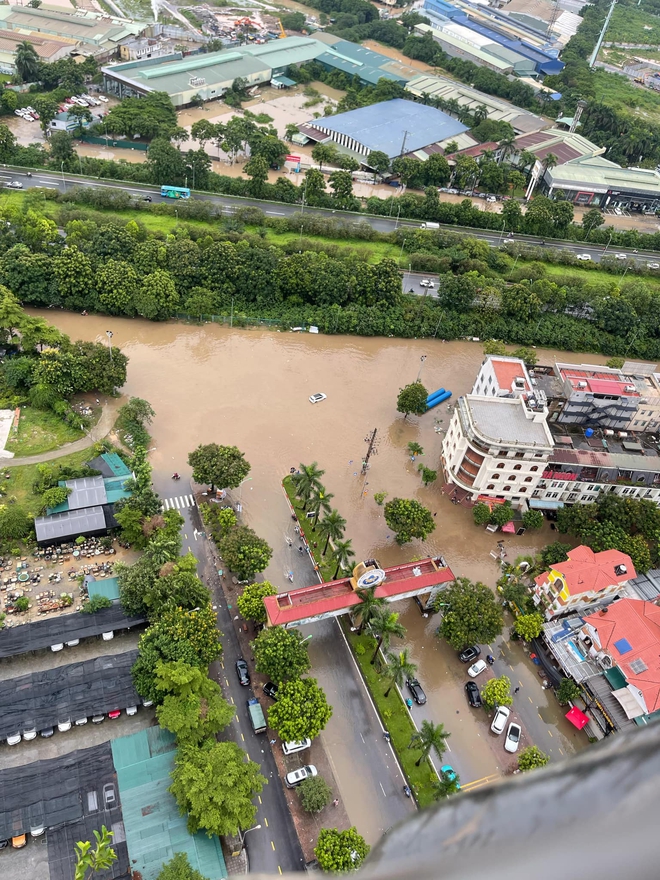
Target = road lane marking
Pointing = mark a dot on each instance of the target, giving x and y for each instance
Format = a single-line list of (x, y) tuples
[(561, 752), (273, 845), (266, 822), (189, 548), (478, 783), (242, 737), (259, 798), (279, 869), (530, 699), (540, 716), (550, 732), (382, 789), (362, 738)]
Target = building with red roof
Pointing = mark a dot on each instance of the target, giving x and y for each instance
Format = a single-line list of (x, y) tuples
[(586, 577), (626, 635)]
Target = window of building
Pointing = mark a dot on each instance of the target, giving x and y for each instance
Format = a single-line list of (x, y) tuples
[(490, 486), (534, 468), (523, 489), (495, 477), (517, 467), (500, 465), (520, 454), (511, 477), (528, 479), (506, 489)]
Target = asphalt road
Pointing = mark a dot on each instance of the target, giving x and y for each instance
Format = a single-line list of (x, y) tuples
[(273, 848), (62, 182)]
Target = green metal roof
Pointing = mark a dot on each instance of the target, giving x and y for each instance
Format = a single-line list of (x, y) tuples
[(155, 830), (116, 464), (108, 588), (616, 678), (114, 489)]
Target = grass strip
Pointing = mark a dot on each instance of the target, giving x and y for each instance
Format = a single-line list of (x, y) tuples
[(326, 566), (394, 715), (40, 431), (21, 479)]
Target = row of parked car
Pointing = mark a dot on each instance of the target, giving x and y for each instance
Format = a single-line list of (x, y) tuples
[(66, 724), (512, 739)]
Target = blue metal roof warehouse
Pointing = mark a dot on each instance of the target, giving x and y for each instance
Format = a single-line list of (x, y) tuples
[(394, 127)]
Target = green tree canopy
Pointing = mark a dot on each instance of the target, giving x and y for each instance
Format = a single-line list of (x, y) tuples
[(430, 737), (567, 692), (250, 603), (214, 784), (314, 793), (222, 466), (497, 692), (529, 626), (471, 614), (91, 860), (245, 552), (193, 709), (281, 654), (340, 851), (179, 868), (412, 399), (408, 519), (532, 757), (301, 710)]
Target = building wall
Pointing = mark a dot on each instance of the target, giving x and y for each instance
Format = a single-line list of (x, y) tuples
[(561, 601)]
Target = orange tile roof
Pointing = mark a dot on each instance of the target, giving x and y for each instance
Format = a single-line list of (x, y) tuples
[(638, 623), (586, 571), (507, 371)]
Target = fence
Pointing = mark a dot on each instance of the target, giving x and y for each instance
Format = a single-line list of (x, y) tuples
[(234, 320), (109, 142)]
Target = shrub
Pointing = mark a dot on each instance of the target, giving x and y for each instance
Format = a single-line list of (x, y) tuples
[(96, 603), (314, 794)]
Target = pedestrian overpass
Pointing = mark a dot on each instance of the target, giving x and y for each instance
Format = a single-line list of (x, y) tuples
[(333, 598)]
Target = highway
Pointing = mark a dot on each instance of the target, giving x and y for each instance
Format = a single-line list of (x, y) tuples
[(61, 182)]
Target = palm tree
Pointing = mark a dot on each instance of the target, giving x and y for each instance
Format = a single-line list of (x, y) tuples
[(550, 161), (445, 787), (320, 501), (506, 146), (26, 61), (307, 482), (399, 669), (385, 624), (369, 605), (342, 555), (331, 526), (430, 736), (480, 113)]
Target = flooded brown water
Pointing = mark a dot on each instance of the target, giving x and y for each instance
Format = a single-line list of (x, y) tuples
[(251, 388)]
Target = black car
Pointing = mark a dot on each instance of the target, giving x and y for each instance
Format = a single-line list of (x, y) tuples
[(416, 691), (270, 689), (469, 655), (146, 198), (242, 672), (47, 732), (4, 844), (473, 695)]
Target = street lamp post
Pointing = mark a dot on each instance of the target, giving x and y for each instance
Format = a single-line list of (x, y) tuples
[(608, 243), (109, 334), (255, 828), (62, 170), (419, 374), (402, 246)]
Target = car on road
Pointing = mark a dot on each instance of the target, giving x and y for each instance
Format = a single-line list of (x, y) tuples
[(512, 740), (473, 695), (270, 689), (109, 796), (295, 777), (103, 98), (131, 710), (653, 265), (47, 732), (584, 257), (30, 734), (19, 841), (80, 721), (58, 647), (114, 713), (65, 725), (14, 184), (14, 739), (620, 256), (146, 198), (477, 668), (416, 691), (426, 282), (242, 672), (449, 774), (500, 719), (97, 719), (318, 397), (491, 198), (467, 655), (4, 844)]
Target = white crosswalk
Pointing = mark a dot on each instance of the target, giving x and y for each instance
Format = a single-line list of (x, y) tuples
[(179, 502)]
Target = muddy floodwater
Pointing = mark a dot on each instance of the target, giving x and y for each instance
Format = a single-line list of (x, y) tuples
[(250, 388)]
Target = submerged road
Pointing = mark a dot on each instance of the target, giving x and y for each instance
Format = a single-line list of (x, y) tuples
[(62, 182)]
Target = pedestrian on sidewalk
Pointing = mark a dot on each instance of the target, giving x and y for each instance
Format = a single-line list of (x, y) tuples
[(335, 803), (515, 690)]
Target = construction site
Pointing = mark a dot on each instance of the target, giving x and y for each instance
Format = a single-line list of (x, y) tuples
[(232, 26)]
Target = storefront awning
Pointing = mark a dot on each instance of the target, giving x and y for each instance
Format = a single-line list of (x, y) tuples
[(543, 504), (577, 717), (510, 528)]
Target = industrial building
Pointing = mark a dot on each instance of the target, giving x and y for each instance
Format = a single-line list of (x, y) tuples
[(396, 127), (356, 60), (598, 182), (444, 89), (83, 33), (489, 39)]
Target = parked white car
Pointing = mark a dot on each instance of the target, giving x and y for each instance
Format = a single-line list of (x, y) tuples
[(103, 99), (512, 740), (14, 739), (500, 720), (620, 256), (317, 398), (295, 777), (477, 668)]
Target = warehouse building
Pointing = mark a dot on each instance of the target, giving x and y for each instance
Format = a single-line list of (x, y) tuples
[(598, 182), (444, 89), (356, 60), (85, 32), (396, 127)]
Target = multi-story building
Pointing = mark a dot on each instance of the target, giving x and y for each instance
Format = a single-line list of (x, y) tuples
[(498, 442), (585, 578)]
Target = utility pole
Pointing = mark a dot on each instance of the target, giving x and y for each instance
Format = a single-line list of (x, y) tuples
[(370, 440), (403, 144), (599, 42)]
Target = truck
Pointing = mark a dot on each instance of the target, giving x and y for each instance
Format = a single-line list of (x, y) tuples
[(256, 713)]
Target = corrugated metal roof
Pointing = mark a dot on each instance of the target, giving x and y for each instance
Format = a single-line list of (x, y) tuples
[(155, 830), (70, 524)]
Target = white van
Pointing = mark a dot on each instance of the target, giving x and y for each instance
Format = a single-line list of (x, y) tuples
[(292, 747), (430, 226)]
